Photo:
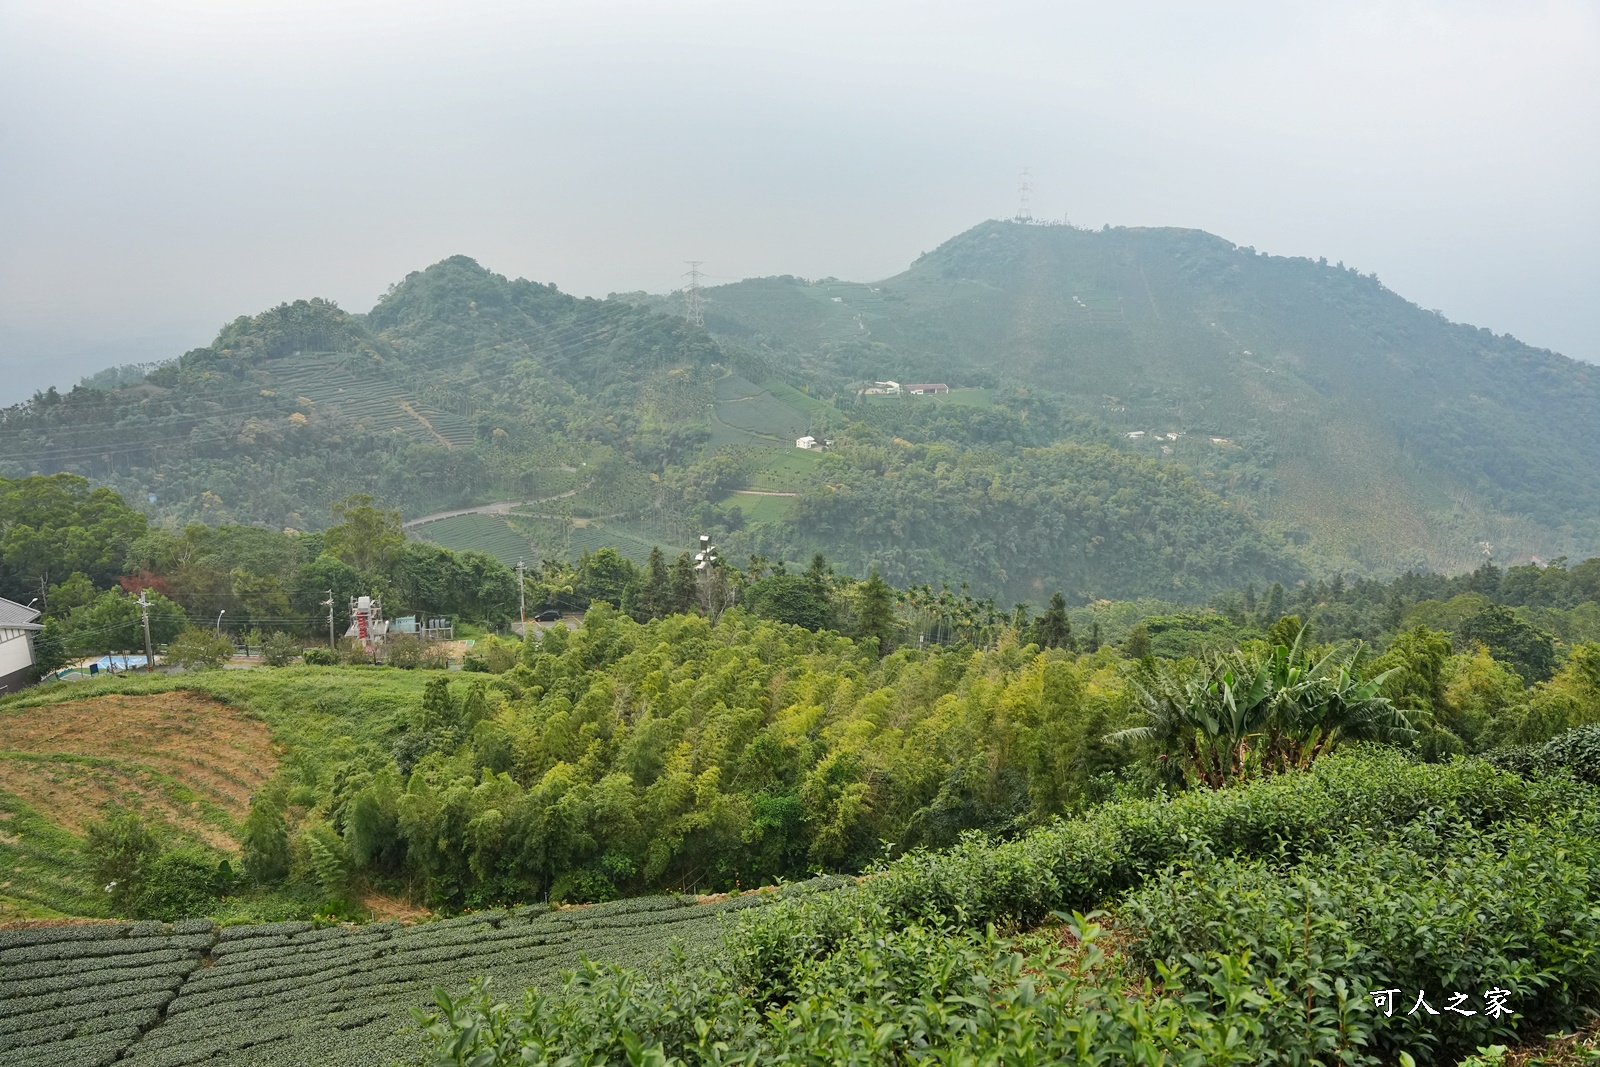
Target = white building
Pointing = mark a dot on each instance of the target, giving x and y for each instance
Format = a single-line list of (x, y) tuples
[(18, 624), (806, 442)]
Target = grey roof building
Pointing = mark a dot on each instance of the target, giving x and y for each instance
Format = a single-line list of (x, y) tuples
[(18, 624)]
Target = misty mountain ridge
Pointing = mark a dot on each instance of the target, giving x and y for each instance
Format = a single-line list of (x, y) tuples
[(1137, 411), (1386, 432)]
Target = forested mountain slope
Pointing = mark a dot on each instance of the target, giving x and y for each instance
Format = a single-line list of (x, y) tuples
[(621, 426), (458, 386), (1370, 428), (1135, 412)]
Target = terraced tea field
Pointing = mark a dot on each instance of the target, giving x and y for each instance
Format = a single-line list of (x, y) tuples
[(479, 533), (283, 994), (631, 541), (759, 507), (378, 404), (802, 403), (743, 405)]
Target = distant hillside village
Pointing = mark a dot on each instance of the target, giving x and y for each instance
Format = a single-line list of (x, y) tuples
[(896, 389)]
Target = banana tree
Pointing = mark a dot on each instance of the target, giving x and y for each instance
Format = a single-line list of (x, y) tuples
[(1264, 711)]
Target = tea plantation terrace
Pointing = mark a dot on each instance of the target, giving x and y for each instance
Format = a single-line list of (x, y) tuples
[(158, 995)]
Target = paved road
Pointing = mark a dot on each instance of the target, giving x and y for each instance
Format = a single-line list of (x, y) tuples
[(501, 507)]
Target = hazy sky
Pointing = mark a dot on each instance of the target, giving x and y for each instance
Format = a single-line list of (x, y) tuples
[(167, 165)]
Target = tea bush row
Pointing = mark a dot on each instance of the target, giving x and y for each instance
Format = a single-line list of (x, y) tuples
[(1078, 865), (1576, 752), (93, 993), (84, 994), (1435, 908)]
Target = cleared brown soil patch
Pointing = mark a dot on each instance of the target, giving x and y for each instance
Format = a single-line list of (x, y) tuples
[(177, 756), (383, 906)]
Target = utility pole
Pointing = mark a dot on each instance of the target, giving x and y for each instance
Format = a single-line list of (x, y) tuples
[(522, 599), (329, 603), (144, 617), (693, 303), (1024, 195)]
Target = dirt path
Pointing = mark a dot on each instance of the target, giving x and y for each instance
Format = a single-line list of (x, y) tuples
[(499, 507), (426, 425), (760, 492)]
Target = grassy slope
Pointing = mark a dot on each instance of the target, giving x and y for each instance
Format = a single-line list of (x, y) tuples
[(317, 716)]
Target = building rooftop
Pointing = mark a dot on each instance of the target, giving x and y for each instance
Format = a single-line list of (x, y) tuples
[(17, 615)]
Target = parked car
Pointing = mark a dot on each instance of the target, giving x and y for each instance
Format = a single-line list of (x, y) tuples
[(547, 616)]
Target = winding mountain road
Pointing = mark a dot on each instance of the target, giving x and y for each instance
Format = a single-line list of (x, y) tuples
[(500, 507)]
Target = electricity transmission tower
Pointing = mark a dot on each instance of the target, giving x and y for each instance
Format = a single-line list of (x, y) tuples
[(1024, 195), (693, 302)]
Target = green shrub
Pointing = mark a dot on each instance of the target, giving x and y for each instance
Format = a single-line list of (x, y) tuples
[(176, 885), (198, 649), (916, 995), (404, 651), (121, 849), (266, 843), (1439, 907), (320, 657), (279, 650), (326, 858), (491, 655)]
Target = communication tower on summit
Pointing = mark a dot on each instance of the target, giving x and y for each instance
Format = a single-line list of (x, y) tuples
[(1024, 197), (693, 302)]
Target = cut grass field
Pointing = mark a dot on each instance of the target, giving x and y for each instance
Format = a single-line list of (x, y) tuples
[(186, 751), (190, 760), (43, 872), (182, 760), (975, 398)]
